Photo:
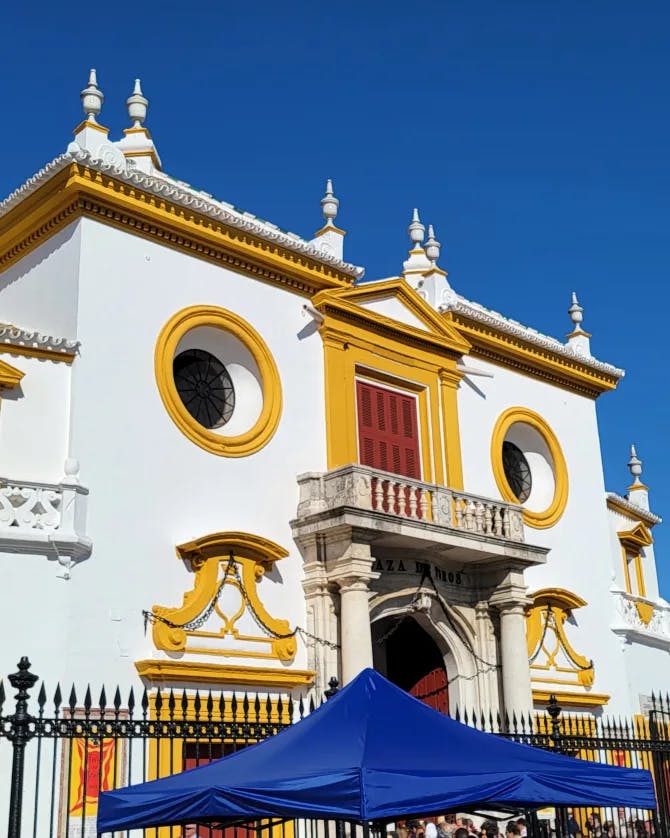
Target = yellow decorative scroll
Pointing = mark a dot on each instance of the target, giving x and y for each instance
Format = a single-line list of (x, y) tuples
[(552, 657), (235, 559)]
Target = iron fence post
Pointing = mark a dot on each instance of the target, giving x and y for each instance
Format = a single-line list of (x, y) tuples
[(21, 731)]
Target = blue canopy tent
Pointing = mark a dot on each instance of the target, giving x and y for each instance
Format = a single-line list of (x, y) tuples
[(372, 752)]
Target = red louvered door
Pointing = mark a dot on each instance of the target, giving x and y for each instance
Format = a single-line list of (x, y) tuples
[(388, 434), (432, 689)]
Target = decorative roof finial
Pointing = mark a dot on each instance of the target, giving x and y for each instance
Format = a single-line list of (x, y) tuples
[(137, 106), (635, 467), (329, 204), (576, 313), (432, 246), (416, 230), (92, 98)]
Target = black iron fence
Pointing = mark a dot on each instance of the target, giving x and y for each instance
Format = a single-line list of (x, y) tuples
[(57, 754)]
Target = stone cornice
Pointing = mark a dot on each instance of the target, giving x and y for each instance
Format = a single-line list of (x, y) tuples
[(17, 341), (156, 206)]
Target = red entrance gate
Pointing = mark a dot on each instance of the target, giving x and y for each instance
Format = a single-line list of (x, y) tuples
[(433, 690)]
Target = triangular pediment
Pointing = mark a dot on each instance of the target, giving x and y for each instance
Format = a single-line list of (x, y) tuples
[(638, 537), (396, 305), (9, 376)]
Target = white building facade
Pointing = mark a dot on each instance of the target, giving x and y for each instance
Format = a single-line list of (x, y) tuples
[(229, 463)]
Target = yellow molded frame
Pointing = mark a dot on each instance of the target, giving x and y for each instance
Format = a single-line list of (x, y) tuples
[(522, 415), (253, 555), (561, 602), (219, 318), (361, 343)]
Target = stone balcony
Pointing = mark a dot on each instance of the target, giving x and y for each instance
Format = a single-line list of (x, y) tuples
[(642, 620), (45, 518), (393, 512)]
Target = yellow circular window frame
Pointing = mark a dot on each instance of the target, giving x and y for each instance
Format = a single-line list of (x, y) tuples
[(265, 426), (521, 415)]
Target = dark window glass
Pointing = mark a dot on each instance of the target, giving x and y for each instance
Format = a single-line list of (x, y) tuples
[(517, 471), (204, 387)]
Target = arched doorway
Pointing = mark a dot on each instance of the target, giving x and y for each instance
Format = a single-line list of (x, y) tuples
[(409, 657)]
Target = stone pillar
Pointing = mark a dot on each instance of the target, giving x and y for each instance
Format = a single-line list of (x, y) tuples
[(511, 600), (350, 568), (355, 631), (514, 659)]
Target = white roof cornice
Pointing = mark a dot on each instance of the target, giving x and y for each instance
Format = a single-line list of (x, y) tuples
[(635, 510), (183, 195), (459, 305), (28, 338)]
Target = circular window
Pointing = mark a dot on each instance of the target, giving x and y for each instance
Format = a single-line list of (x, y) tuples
[(218, 381), (517, 471), (204, 387), (529, 467)]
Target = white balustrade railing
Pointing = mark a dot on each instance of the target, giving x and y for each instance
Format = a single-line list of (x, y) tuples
[(372, 490), (642, 615), (44, 517)]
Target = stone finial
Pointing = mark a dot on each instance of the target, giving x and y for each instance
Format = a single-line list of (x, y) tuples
[(635, 467), (329, 204), (578, 340), (137, 105), (432, 246), (416, 230), (92, 98), (576, 313)]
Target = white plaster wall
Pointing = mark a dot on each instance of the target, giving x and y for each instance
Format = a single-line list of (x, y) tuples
[(34, 420), (580, 558), (646, 670), (40, 291), (151, 487)]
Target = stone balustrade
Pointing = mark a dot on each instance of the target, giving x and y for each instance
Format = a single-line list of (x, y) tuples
[(47, 518), (361, 487), (638, 614)]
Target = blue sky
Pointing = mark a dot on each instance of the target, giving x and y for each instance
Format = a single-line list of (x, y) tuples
[(533, 135)]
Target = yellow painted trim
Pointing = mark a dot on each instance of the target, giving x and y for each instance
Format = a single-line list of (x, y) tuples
[(253, 555), (522, 415), (579, 333), (574, 699), (645, 611), (638, 487), (141, 130), (79, 191), (558, 596), (9, 376), (626, 569), (37, 352), (330, 229), (86, 123), (263, 430), (218, 674), (639, 575), (148, 153), (537, 361)]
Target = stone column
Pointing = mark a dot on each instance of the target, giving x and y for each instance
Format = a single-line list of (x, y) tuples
[(511, 600), (350, 568), (514, 659), (355, 631)]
